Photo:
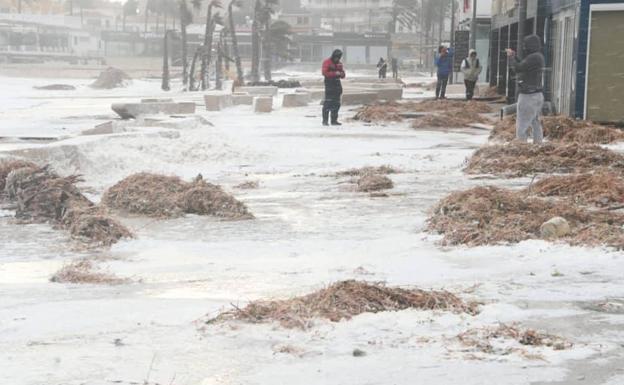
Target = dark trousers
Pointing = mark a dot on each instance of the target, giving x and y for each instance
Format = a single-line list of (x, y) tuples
[(330, 106), (441, 86), (470, 87)]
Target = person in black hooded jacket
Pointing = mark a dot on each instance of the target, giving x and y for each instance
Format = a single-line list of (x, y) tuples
[(529, 73)]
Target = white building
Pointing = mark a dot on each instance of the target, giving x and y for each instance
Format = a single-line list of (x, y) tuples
[(351, 15)]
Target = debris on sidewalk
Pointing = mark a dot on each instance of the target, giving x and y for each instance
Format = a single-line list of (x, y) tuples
[(457, 120), (452, 109), (249, 185), (111, 78), (6, 166), (492, 215), (495, 340), (84, 271), (520, 159), (602, 188), (374, 182), (342, 301), (163, 196), (381, 170), (43, 196), (562, 129)]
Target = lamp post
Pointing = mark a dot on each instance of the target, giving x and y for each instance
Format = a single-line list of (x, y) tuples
[(473, 26)]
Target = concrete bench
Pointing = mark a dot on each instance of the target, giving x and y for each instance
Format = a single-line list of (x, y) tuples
[(242, 98), (390, 94), (217, 102), (298, 99), (263, 104), (349, 99), (134, 110), (259, 91)]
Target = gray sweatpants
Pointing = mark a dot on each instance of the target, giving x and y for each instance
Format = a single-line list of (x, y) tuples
[(528, 114)]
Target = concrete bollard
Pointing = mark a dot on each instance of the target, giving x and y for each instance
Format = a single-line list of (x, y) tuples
[(263, 104), (390, 94), (240, 98), (298, 99), (217, 102), (259, 91), (556, 227), (350, 99)]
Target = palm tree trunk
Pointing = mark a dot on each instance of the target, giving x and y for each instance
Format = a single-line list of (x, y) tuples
[(255, 45), (219, 67), (192, 70), (165, 76), (237, 58), (226, 53), (266, 51), (208, 46), (184, 44), (146, 17)]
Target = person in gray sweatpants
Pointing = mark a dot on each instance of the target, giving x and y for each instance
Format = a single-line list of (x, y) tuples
[(531, 98)]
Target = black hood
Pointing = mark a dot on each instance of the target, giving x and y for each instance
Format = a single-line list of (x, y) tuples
[(337, 54), (532, 44)]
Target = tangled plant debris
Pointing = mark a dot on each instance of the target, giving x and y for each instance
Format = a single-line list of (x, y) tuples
[(249, 185), (491, 215), (491, 340), (392, 112), (374, 182), (520, 159), (163, 196), (85, 272), (43, 196), (450, 120), (562, 129), (6, 166), (380, 170), (342, 301), (111, 78), (603, 188)]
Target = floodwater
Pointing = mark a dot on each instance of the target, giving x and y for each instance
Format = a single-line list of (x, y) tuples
[(311, 229)]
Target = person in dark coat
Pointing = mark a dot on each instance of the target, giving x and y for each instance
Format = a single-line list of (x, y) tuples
[(394, 64), (383, 68), (333, 71), (444, 62), (531, 97)]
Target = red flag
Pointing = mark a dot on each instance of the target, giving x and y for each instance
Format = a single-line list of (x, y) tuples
[(466, 5)]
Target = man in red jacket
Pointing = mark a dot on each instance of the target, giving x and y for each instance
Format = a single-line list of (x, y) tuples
[(333, 72)]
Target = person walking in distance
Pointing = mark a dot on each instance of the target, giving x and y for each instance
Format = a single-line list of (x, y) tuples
[(382, 65), (444, 62), (529, 72), (471, 68), (333, 71), (394, 64)]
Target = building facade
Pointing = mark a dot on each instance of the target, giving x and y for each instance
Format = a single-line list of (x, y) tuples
[(583, 50)]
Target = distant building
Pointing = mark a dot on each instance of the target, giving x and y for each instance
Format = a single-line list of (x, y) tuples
[(357, 16), (484, 21)]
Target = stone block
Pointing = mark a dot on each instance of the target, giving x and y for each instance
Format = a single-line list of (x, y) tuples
[(259, 90), (263, 104), (100, 129), (240, 98), (217, 102), (134, 110), (354, 98), (298, 99), (390, 94), (317, 94)]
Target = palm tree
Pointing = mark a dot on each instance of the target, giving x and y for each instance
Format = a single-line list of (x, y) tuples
[(186, 18), (210, 25), (165, 77), (255, 43), (232, 30), (404, 13), (264, 16), (198, 52), (130, 8)]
